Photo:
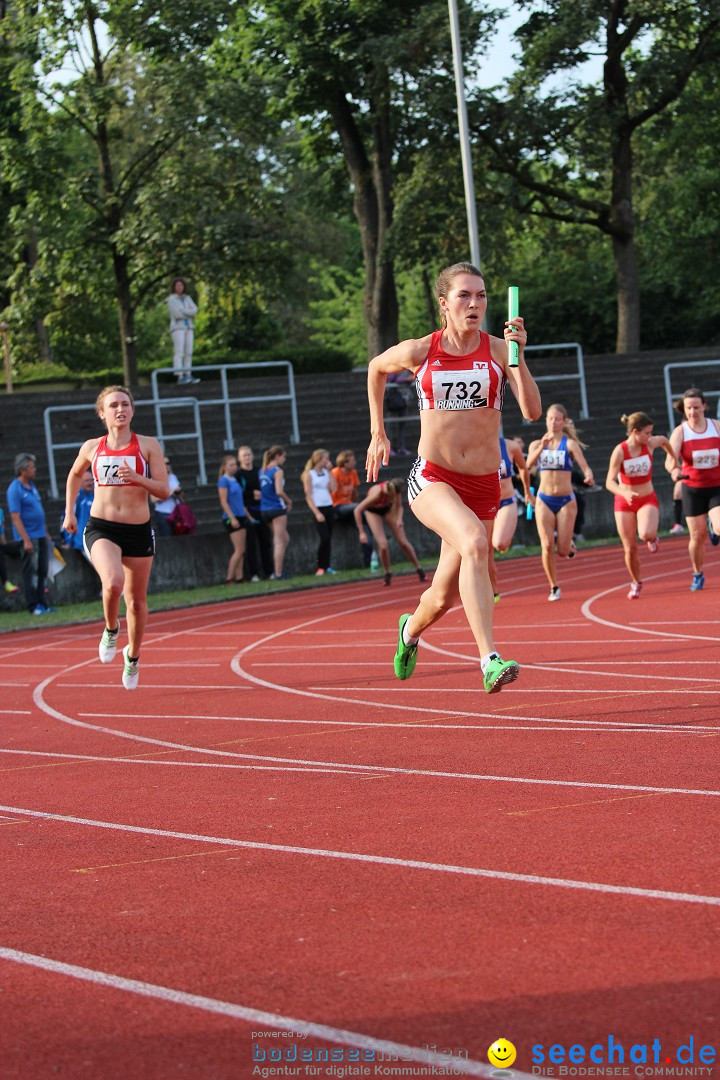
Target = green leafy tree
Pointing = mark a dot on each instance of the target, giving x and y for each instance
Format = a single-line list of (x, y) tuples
[(361, 79), (156, 173), (567, 148)]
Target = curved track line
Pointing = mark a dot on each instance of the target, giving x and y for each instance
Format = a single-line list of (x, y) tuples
[(674, 635), (237, 667), (382, 860), (303, 1028)]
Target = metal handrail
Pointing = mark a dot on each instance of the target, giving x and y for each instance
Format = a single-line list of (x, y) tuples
[(226, 401), (170, 403), (579, 375), (672, 415)]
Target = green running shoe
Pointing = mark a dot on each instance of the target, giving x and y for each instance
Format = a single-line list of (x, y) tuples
[(498, 673), (406, 655)]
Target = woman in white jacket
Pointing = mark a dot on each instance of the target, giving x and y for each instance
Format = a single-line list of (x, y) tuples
[(182, 322)]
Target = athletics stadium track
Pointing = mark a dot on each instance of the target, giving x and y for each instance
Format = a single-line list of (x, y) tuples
[(274, 834)]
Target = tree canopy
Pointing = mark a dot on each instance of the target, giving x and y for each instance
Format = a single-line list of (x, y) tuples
[(298, 163)]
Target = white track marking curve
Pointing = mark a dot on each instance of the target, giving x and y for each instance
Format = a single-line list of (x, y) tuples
[(274, 1021), (379, 860)]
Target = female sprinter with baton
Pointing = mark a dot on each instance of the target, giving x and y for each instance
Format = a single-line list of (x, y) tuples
[(453, 487)]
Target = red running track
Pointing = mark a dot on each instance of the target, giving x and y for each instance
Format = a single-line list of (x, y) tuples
[(274, 844)]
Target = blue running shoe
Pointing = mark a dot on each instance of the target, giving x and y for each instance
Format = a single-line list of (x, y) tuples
[(697, 582), (714, 537)]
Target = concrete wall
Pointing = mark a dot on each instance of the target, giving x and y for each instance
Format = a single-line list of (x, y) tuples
[(186, 562)]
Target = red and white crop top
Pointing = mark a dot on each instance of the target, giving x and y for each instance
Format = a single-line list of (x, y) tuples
[(700, 453), (635, 470), (448, 382), (105, 463)]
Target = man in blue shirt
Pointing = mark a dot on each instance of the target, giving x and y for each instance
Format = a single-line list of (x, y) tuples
[(29, 528), (83, 504)]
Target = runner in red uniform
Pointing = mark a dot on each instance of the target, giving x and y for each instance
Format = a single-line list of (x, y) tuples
[(629, 478), (696, 442), (383, 502), (454, 487), (118, 537)]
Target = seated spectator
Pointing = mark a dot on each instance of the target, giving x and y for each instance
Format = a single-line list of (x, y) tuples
[(345, 495), (12, 549), (83, 503), (165, 507)]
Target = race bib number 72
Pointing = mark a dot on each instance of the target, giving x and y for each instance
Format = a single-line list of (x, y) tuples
[(108, 468)]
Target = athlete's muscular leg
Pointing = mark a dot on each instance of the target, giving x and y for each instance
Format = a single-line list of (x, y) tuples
[(698, 539), (106, 557), (546, 530), (463, 565), (564, 522), (137, 575), (648, 518), (626, 531)]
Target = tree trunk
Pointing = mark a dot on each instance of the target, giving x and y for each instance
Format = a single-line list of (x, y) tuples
[(126, 319), (41, 332), (628, 295), (621, 222), (113, 218), (371, 177)]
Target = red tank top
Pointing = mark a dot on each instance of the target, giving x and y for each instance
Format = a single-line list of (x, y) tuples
[(384, 497), (700, 454), (105, 462), (452, 383), (635, 470)]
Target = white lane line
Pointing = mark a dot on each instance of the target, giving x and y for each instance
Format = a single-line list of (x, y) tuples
[(70, 758), (381, 860), (633, 627), (392, 770), (190, 687), (515, 690), (16, 712), (539, 664), (614, 674), (612, 727), (257, 1017)]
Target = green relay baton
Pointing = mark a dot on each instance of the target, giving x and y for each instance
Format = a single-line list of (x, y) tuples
[(513, 312)]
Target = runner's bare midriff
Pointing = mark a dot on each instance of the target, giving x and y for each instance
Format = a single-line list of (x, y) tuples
[(466, 441), (122, 502)]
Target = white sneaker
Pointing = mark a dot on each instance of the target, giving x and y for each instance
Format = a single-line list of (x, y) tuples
[(554, 593), (108, 645), (635, 590), (677, 530), (131, 671)]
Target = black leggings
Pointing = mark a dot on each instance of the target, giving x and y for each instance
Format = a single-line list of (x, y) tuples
[(325, 528)]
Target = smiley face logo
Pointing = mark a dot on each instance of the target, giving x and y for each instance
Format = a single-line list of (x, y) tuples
[(502, 1053)]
